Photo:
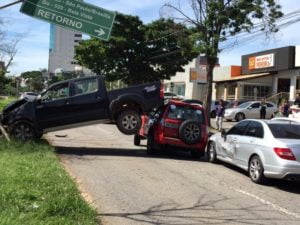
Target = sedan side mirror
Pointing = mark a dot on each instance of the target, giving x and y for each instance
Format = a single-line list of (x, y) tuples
[(224, 134), (250, 107)]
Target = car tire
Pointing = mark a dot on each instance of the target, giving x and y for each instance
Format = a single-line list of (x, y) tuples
[(213, 114), (190, 132), (137, 140), (196, 154), (240, 117), (129, 122), (211, 152), (22, 131), (256, 170), (152, 147), (228, 120)]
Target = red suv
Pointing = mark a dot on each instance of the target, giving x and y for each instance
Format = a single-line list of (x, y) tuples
[(178, 124)]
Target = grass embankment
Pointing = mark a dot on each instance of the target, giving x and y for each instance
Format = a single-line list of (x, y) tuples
[(4, 102), (35, 189)]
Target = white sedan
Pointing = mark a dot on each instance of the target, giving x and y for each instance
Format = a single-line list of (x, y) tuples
[(266, 149), (249, 110)]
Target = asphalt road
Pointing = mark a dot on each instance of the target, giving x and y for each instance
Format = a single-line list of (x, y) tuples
[(130, 188)]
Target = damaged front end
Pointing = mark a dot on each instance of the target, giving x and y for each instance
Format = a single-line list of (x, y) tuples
[(16, 110)]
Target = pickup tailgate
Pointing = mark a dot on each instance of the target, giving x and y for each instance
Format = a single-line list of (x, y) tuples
[(147, 95)]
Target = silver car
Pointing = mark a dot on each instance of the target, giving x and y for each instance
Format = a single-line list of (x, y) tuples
[(249, 110), (266, 149)]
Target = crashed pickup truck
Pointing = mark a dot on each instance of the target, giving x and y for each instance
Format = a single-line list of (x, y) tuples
[(81, 102)]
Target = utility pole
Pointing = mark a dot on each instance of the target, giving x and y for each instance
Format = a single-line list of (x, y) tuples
[(11, 4)]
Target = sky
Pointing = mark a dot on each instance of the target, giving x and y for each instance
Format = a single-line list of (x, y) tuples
[(33, 48)]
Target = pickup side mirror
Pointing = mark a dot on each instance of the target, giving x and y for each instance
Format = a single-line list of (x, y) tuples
[(250, 107)]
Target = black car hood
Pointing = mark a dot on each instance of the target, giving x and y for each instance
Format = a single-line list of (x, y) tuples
[(13, 105)]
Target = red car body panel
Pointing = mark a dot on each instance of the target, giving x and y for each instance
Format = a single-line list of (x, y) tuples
[(166, 130)]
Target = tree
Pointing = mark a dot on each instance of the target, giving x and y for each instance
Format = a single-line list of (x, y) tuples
[(8, 50), (138, 53), (34, 80), (215, 20)]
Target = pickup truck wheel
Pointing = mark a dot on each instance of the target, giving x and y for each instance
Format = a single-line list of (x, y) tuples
[(137, 140), (22, 131), (190, 132), (129, 122)]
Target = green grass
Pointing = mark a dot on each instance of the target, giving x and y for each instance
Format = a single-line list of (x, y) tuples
[(4, 102), (35, 189)]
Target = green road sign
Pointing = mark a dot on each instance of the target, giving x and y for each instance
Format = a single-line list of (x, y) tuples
[(72, 14)]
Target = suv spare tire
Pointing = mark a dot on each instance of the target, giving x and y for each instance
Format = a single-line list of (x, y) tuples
[(129, 122), (190, 132)]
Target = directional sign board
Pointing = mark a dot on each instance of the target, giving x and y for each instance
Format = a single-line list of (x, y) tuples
[(72, 14)]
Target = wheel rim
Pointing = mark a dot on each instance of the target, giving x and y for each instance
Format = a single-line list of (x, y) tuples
[(211, 151), (23, 132), (240, 117), (130, 122), (255, 169), (191, 132)]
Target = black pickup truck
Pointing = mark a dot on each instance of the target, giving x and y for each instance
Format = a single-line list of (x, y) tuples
[(81, 102)]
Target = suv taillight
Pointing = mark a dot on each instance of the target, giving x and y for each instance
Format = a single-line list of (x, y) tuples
[(285, 153), (162, 92)]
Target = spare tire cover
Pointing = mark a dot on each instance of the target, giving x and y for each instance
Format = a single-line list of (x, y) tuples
[(190, 132)]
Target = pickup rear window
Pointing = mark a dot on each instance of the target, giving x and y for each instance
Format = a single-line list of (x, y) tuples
[(185, 113)]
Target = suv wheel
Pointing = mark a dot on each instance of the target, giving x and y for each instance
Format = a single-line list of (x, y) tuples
[(129, 122), (22, 131), (137, 140), (152, 147), (190, 132), (256, 170)]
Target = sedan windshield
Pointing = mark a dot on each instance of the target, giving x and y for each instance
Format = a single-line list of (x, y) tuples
[(285, 131), (244, 105)]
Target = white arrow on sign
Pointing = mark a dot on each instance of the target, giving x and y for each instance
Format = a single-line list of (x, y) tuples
[(100, 31)]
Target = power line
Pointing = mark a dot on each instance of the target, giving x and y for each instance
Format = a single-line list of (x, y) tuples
[(11, 4)]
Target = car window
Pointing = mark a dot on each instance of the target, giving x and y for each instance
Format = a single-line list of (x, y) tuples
[(285, 131), (238, 129), (56, 92), (255, 105), (85, 86), (269, 105), (255, 129), (244, 105), (185, 113)]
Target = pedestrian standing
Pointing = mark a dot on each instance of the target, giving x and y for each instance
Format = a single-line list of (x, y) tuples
[(286, 109), (263, 109), (297, 101), (220, 114)]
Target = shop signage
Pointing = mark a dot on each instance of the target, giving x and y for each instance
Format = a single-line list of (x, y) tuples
[(75, 15), (260, 62), (199, 75)]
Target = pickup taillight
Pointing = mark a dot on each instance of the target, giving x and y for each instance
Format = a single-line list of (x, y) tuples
[(162, 92)]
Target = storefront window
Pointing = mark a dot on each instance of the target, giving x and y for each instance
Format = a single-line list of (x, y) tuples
[(179, 89), (256, 92)]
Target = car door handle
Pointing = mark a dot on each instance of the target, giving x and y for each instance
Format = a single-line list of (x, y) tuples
[(67, 103), (99, 98)]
